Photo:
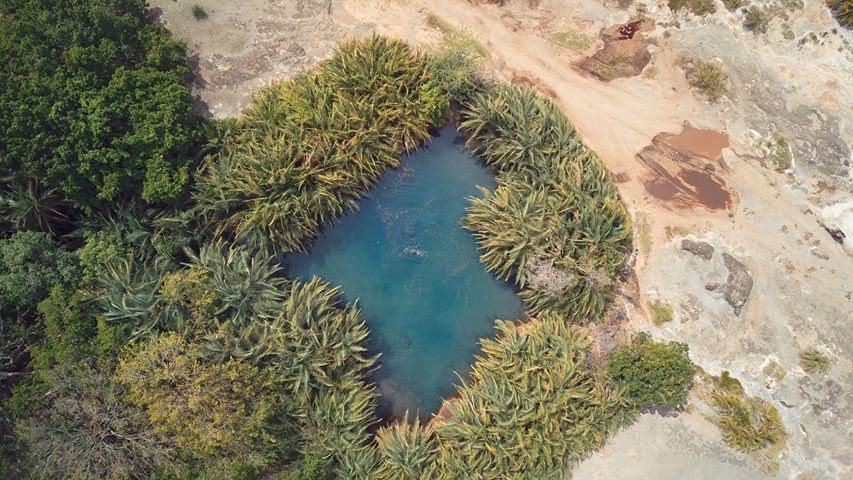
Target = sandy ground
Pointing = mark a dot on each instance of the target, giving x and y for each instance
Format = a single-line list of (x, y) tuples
[(795, 79), (684, 448)]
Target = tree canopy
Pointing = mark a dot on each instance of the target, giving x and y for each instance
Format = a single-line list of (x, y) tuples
[(94, 102), (656, 374)]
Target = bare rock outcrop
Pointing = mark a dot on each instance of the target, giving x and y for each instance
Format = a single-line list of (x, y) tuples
[(738, 284), (701, 249)]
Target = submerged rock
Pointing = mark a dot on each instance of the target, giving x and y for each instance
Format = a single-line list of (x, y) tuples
[(738, 284), (702, 249)]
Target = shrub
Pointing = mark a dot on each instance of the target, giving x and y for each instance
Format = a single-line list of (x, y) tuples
[(732, 5), (206, 408), (86, 431), (309, 467), (570, 39), (17, 331), (697, 7), (198, 12), (435, 101), (728, 384), (31, 263), (709, 78), (455, 66), (748, 424), (778, 150), (655, 374), (661, 313), (814, 361), (68, 328), (757, 20)]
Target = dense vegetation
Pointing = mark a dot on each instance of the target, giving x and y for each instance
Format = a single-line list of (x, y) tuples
[(555, 224), (305, 150), (655, 374), (94, 109), (140, 340), (531, 407)]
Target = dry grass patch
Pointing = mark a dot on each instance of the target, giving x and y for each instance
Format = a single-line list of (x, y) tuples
[(571, 40), (661, 313), (814, 361), (708, 77)]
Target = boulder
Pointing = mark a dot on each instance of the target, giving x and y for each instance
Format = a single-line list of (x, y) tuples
[(738, 285), (702, 249)]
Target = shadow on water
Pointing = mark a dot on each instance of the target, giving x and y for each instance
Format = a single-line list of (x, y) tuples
[(416, 275)]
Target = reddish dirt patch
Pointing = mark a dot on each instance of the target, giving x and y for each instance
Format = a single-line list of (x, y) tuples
[(625, 53), (621, 177), (684, 169), (706, 143), (526, 80), (444, 411), (710, 193)]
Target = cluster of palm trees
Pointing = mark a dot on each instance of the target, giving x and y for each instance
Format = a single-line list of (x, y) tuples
[(554, 205), (306, 149), (530, 409), (531, 406), (302, 154)]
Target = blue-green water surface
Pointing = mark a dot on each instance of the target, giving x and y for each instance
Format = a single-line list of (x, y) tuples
[(416, 274)]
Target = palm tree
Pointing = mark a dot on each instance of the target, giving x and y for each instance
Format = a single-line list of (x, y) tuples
[(407, 450), (306, 149), (530, 408), (25, 205), (554, 205), (842, 10)]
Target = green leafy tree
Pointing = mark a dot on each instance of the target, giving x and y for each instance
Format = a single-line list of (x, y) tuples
[(68, 328), (94, 102), (654, 373), (98, 253), (31, 263)]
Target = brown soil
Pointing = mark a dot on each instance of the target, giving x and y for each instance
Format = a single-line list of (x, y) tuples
[(625, 53), (684, 169), (707, 143)]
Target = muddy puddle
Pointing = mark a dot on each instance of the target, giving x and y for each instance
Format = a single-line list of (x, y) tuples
[(684, 169), (706, 143), (708, 191)]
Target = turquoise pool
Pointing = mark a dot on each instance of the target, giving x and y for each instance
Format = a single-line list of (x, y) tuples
[(415, 272)]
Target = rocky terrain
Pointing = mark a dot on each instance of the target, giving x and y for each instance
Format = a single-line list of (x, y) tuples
[(747, 249)]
